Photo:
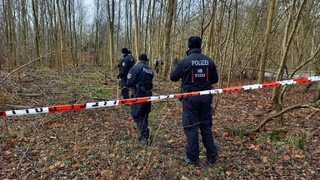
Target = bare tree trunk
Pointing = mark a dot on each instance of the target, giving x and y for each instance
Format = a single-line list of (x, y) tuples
[(110, 17), (152, 31), (128, 23), (266, 42), (52, 34), (316, 66), (62, 37), (97, 45), (147, 29), (35, 11), (72, 32), (24, 11), (10, 32), (225, 49), (211, 44), (234, 40), (117, 33), (159, 36), (220, 42), (277, 99), (136, 28), (169, 15), (75, 36)]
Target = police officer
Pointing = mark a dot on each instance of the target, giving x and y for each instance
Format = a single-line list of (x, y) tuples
[(140, 80), (125, 64), (197, 72), (156, 65)]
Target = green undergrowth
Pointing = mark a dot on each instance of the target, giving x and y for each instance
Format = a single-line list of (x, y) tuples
[(241, 130), (283, 138)]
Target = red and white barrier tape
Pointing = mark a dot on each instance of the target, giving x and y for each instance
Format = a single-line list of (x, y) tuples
[(101, 104)]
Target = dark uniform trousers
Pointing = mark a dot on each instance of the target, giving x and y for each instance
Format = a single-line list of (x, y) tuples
[(140, 112), (124, 88), (197, 114)]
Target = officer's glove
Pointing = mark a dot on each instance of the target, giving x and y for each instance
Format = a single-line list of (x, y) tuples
[(119, 76)]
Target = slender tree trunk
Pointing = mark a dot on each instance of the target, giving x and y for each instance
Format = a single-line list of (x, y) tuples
[(266, 42), (75, 36), (10, 32), (220, 42), (62, 37), (52, 34), (128, 12), (110, 16), (169, 17), (225, 49), (277, 99), (316, 66), (151, 31), (24, 26), (211, 44), (136, 28), (147, 28), (35, 11), (234, 40), (97, 37), (159, 36), (118, 31)]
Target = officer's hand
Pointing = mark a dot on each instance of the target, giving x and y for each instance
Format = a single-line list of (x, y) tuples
[(119, 76)]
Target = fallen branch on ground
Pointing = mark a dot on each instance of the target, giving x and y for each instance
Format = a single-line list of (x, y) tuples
[(298, 106)]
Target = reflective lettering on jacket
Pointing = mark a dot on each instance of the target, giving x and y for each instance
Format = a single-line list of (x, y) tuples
[(202, 62), (200, 70)]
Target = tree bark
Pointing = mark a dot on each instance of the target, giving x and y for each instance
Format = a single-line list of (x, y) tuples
[(62, 37), (110, 18), (210, 44), (266, 42), (167, 29), (277, 99), (136, 28), (234, 40)]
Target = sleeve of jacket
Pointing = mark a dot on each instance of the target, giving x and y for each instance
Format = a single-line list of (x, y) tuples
[(124, 66), (131, 77), (214, 74), (176, 73)]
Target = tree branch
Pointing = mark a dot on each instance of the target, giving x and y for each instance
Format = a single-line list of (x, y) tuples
[(298, 106), (37, 59)]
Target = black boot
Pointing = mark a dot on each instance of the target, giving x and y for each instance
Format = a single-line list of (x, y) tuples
[(189, 161), (145, 140)]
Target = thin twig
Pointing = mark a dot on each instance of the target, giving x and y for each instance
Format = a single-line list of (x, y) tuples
[(15, 70)]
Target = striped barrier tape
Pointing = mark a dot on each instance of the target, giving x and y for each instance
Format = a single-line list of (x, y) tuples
[(102, 104)]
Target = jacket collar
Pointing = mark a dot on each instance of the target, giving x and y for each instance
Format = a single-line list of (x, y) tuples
[(195, 50)]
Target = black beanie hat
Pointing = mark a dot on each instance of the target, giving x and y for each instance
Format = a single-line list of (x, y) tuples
[(125, 51), (143, 57), (194, 42)]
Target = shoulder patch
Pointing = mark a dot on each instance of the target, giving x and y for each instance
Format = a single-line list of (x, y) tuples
[(129, 76), (123, 64)]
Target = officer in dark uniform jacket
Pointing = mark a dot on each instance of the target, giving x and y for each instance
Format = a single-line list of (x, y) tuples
[(197, 72), (125, 64), (140, 80)]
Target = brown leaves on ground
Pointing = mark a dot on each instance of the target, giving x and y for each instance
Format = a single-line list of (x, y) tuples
[(102, 143)]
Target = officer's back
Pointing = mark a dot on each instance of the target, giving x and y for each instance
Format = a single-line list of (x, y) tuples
[(140, 78), (197, 71)]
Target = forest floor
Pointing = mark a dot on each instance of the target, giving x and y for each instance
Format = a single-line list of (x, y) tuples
[(102, 143)]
